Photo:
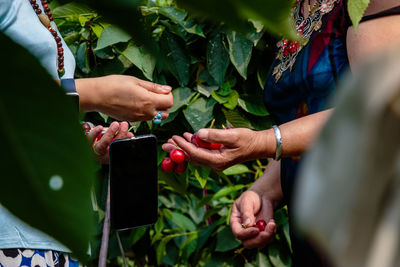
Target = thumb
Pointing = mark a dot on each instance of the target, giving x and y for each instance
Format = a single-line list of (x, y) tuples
[(218, 136), (249, 207), (155, 88)]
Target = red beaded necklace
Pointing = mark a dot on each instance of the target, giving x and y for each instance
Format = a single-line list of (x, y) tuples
[(46, 20)]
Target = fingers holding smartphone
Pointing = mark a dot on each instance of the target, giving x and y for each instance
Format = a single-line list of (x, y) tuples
[(100, 138)]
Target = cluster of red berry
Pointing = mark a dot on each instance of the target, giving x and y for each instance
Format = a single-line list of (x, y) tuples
[(175, 162)]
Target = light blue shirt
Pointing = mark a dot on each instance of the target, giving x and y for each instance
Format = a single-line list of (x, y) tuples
[(19, 21)]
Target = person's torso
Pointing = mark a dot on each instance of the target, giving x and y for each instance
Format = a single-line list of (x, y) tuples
[(304, 74)]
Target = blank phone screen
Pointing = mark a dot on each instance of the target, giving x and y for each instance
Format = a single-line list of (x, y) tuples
[(133, 182)]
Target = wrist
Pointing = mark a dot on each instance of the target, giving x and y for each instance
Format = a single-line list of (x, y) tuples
[(266, 147), (90, 94)]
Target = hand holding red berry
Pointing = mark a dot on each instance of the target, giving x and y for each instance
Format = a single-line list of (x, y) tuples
[(101, 145)]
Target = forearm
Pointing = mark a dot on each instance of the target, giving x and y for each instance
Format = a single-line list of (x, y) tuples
[(297, 136), (269, 184)]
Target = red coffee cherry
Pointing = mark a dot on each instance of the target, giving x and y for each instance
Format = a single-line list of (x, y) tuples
[(167, 165), (198, 142), (214, 146), (181, 167), (177, 156), (261, 224)]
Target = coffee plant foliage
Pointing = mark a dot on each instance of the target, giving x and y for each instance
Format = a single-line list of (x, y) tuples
[(218, 76)]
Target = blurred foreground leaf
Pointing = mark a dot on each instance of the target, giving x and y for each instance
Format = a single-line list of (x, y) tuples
[(46, 163)]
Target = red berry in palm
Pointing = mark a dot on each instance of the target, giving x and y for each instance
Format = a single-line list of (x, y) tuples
[(198, 142), (177, 156), (214, 146), (181, 167), (229, 127), (167, 165), (261, 224)]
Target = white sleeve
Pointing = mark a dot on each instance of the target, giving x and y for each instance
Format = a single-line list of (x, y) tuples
[(8, 11)]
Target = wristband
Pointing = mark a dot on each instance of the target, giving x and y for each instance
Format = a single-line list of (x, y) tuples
[(69, 86), (278, 138)]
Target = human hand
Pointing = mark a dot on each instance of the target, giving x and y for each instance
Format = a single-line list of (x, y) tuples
[(246, 211), (124, 97), (238, 145), (101, 146)]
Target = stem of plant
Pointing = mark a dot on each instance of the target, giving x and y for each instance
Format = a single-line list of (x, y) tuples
[(106, 232), (207, 206)]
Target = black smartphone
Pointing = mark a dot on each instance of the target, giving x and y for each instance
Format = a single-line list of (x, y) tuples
[(133, 182)]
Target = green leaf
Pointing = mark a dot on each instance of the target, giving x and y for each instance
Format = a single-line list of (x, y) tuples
[(262, 260), (278, 256), (82, 60), (160, 251), (201, 174), (356, 9), (217, 58), (236, 119), (137, 234), (226, 241), (200, 113), (189, 246), (178, 61), (173, 181), (176, 15), (47, 175), (141, 59), (240, 50), (180, 220), (275, 15), (182, 97), (192, 27), (204, 235), (112, 35), (236, 169), (72, 9), (253, 104), (232, 100), (206, 90), (226, 190)]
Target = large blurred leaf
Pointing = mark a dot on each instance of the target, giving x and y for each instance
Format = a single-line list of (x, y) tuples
[(47, 176), (240, 50), (274, 14), (112, 35), (356, 9), (200, 112), (141, 58), (226, 241), (217, 58)]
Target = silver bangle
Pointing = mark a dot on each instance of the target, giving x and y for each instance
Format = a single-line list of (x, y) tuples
[(278, 138)]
